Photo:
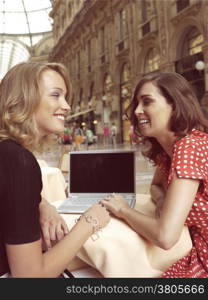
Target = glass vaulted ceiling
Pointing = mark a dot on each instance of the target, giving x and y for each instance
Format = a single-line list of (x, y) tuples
[(22, 24)]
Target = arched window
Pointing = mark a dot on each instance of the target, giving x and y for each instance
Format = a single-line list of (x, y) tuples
[(152, 61), (189, 52), (192, 43)]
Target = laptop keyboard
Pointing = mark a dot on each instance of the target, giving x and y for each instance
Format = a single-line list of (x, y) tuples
[(81, 202), (90, 199)]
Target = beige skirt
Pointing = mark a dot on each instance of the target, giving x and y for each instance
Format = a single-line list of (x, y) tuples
[(121, 252)]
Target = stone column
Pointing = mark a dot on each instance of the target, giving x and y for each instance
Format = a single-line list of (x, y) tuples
[(117, 108), (163, 34)]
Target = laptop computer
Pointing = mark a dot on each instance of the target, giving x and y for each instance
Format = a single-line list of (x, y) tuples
[(95, 174)]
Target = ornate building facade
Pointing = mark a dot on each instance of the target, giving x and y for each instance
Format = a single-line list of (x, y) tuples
[(108, 45)]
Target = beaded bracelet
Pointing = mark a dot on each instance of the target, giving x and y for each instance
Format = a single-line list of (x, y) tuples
[(95, 225)]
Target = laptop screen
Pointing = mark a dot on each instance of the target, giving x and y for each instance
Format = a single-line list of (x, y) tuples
[(102, 172)]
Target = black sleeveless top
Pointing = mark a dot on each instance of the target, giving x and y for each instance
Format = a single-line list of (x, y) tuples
[(20, 188)]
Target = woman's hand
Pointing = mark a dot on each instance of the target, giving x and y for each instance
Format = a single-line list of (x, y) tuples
[(52, 224), (114, 204), (99, 212)]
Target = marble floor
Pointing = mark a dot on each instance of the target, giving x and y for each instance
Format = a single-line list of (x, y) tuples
[(144, 170)]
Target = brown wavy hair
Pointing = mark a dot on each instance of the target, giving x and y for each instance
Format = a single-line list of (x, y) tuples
[(20, 98), (187, 113)]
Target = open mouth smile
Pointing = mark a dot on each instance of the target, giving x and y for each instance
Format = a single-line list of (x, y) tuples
[(60, 117), (143, 122)]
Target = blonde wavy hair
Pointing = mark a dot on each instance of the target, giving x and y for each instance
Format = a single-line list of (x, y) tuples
[(20, 98)]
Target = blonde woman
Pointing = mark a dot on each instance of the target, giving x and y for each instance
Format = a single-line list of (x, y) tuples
[(34, 99)]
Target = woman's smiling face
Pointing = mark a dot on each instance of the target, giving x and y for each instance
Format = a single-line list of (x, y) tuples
[(153, 112), (52, 110)]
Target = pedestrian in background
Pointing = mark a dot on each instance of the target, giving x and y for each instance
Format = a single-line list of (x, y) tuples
[(113, 134), (106, 134), (78, 137), (89, 137)]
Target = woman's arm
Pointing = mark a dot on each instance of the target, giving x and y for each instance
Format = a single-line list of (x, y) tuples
[(158, 189), (53, 226), (27, 260), (158, 186), (164, 231)]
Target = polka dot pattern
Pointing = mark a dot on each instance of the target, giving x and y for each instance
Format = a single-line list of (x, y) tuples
[(190, 160)]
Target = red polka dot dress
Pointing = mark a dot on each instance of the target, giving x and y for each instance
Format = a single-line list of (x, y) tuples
[(190, 160)]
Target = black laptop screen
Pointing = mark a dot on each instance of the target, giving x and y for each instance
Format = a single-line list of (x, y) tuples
[(101, 172)]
